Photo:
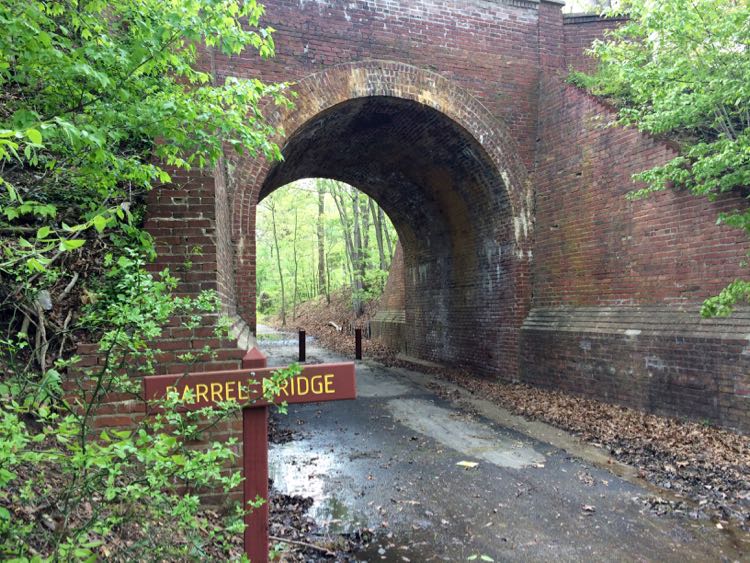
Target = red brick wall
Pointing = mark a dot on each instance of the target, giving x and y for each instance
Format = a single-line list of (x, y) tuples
[(124, 411), (393, 293), (182, 219), (617, 284), (592, 245), (658, 358), (487, 48)]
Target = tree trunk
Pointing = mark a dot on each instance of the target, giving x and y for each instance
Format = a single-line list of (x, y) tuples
[(296, 267), (328, 281), (321, 245), (272, 208), (357, 261), (377, 221), (389, 245), (314, 289), (338, 199), (365, 235)]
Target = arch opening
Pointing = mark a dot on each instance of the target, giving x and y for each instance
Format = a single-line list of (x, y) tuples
[(323, 248), (450, 206)]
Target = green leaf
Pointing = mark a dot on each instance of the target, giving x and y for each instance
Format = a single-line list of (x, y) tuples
[(82, 553), (100, 223), (34, 136), (43, 232), (12, 193), (72, 244), (35, 265)]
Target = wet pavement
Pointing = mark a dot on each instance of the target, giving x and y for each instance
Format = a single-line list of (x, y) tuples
[(388, 462)]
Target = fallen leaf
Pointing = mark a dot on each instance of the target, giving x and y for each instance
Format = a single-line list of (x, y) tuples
[(467, 464)]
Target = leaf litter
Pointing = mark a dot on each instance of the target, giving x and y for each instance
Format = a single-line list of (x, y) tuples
[(707, 465)]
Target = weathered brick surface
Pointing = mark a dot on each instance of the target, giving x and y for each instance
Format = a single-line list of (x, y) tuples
[(617, 283), (393, 293), (124, 411), (592, 244), (487, 48), (182, 218), (661, 358)]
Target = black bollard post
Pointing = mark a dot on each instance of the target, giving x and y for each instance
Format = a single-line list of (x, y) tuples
[(301, 345), (358, 343)]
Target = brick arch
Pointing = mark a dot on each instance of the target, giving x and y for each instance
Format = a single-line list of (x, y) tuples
[(436, 98), (322, 90)]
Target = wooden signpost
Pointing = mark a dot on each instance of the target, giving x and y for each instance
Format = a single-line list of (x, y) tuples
[(316, 383)]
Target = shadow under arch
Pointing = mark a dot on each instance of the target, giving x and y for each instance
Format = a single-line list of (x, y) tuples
[(447, 174)]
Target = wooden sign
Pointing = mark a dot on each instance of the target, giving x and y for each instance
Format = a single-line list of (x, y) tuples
[(316, 383)]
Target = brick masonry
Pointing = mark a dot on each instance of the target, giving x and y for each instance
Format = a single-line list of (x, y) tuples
[(182, 218), (617, 284), (521, 257)]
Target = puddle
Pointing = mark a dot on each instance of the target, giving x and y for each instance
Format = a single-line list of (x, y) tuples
[(267, 336), (297, 470), (465, 436)]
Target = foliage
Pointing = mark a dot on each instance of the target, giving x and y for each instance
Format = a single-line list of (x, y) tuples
[(99, 100), (682, 69), (88, 90), (97, 483)]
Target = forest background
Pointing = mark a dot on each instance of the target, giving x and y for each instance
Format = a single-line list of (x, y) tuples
[(316, 237)]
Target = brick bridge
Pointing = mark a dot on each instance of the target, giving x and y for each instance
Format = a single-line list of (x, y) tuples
[(521, 259)]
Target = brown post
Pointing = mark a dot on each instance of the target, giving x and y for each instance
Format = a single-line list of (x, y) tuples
[(255, 469), (358, 343)]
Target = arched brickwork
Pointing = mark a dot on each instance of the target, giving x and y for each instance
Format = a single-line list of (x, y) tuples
[(323, 90), (448, 174)]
